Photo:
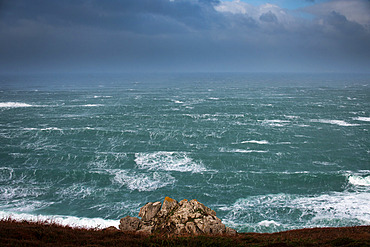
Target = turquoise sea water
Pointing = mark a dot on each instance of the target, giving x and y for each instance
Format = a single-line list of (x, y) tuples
[(267, 152)]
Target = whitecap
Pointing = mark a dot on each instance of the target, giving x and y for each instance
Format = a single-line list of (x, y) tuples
[(102, 96), (325, 163), (335, 122), (13, 104), (72, 221), (365, 119), (225, 150), (359, 180), (51, 128), (295, 211), (275, 122), (284, 143), (143, 181), (291, 117), (256, 142), (168, 161), (92, 105), (268, 223)]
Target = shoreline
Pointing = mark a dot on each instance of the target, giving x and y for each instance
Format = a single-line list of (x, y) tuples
[(26, 233)]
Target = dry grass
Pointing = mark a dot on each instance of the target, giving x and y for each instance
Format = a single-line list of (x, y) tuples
[(14, 233)]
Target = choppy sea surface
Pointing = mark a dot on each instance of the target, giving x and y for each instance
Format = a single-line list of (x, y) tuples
[(267, 152)]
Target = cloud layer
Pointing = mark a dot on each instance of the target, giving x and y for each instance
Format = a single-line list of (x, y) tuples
[(183, 35)]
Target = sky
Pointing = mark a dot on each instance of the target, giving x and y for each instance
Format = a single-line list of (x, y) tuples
[(184, 36)]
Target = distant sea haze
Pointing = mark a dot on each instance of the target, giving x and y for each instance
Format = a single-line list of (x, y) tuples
[(267, 152)]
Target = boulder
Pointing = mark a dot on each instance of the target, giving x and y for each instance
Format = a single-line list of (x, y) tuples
[(149, 211), (168, 207), (129, 223), (172, 217)]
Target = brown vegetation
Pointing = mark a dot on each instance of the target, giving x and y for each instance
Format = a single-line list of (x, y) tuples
[(14, 233)]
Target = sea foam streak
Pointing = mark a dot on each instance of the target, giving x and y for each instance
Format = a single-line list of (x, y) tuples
[(335, 122), (365, 119), (13, 104), (142, 181), (275, 122), (236, 150), (92, 105), (256, 142), (97, 223), (168, 161)]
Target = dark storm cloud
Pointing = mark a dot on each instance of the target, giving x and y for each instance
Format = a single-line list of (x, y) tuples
[(183, 35)]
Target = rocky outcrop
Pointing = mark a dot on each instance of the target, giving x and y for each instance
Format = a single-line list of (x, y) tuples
[(184, 217)]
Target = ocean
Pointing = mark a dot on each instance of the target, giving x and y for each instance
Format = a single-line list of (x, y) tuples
[(267, 152)]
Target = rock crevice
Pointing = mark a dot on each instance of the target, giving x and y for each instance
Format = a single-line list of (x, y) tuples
[(172, 217)]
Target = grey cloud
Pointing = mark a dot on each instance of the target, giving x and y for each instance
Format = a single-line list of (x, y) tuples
[(179, 35), (114, 14), (341, 23), (268, 17), (354, 10)]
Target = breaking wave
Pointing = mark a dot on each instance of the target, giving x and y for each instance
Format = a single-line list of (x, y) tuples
[(359, 180), (256, 142), (335, 122), (13, 105), (168, 161), (365, 119), (96, 223), (278, 212)]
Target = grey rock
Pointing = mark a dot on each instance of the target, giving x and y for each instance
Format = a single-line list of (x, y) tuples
[(149, 211), (192, 228), (230, 231), (172, 217), (168, 207), (145, 229), (129, 223)]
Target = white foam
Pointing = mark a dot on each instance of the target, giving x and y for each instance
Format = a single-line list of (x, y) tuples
[(76, 190), (92, 105), (51, 128), (365, 119), (97, 223), (102, 96), (275, 122), (256, 142), (168, 161), (335, 122), (284, 143), (143, 181), (325, 163), (178, 102), (225, 150), (291, 117), (268, 223), (334, 209), (13, 104), (9, 192), (359, 180)]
